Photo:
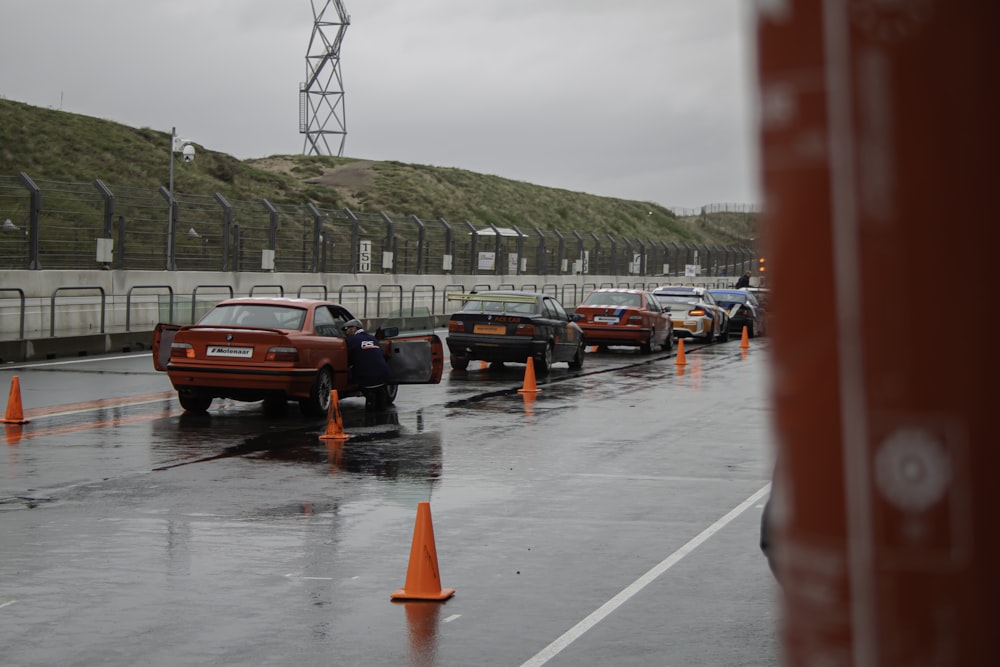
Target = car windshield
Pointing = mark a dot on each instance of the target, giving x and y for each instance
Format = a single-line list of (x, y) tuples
[(256, 315), (613, 299), (489, 306)]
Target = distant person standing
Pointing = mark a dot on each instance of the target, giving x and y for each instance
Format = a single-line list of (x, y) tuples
[(743, 281), (368, 365)]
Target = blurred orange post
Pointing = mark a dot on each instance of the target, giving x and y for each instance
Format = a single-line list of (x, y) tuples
[(878, 140), (681, 359)]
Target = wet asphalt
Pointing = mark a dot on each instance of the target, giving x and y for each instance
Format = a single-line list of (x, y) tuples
[(609, 519)]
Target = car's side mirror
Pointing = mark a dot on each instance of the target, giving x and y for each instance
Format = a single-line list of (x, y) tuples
[(387, 332)]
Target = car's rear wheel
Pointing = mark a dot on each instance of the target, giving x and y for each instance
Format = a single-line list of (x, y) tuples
[(391, 391), (194, 402), (577, 360), (724, 332), (459, 363), (544, 361), (647, 347), (318, 402), (668, 342)]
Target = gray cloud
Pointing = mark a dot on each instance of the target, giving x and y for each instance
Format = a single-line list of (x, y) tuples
[(638, 99)]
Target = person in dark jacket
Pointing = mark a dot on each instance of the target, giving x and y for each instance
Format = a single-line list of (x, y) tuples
[(368, 365), (743, 281)]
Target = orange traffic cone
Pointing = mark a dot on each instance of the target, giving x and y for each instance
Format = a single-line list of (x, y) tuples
[(745, 342), (423, 581), (334, 422), (681, 360), (15, 413), (529, 379)]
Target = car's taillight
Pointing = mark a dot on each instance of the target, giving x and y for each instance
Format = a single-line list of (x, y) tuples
[(696, 312), (524, 330), (282, 354), (456, 326), (744, 312), (635, 319), (185, 350)]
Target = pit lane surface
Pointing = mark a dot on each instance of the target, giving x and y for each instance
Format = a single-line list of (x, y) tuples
[(610, 520)]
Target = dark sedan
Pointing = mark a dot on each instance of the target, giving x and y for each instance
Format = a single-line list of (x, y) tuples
[(501, 326), (744, 311)]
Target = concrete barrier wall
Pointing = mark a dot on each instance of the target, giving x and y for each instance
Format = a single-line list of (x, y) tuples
[(106, 311)]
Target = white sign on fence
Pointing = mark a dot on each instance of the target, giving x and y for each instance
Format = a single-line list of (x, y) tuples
[(690, 270), (487, 260), (364, 256)]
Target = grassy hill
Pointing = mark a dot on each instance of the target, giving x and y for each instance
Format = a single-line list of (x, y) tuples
[(62, 146)]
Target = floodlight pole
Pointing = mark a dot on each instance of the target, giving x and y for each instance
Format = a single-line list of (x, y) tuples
[(173, 142)]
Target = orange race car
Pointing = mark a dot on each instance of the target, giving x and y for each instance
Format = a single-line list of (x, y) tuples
[(280, 349)]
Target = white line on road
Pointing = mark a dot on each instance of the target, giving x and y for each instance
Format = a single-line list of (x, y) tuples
[(453, 617), (7, 603), (605, 610)]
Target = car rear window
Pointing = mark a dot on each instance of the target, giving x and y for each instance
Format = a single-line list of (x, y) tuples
[(256, 315), (613, 299), (728, 297), (672, 300), (499, 307)]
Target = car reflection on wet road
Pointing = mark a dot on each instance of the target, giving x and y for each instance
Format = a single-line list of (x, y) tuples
[(590, 523)]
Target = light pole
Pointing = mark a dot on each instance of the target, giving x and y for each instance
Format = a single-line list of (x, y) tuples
[(184, 147)]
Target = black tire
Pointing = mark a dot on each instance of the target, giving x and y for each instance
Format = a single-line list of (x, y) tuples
[(391, 391), (275, 407), (647, 347), (577, 361), (668, 342), (194, 402), (544, 361), (459, 363), (724, 333), (318, 402)]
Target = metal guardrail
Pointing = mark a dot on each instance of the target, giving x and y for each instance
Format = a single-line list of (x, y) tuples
[(569, 294), (52, 305)]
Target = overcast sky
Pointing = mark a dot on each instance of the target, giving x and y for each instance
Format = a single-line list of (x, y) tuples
[(649, 100)]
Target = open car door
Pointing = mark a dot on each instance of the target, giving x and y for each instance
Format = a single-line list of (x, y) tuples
[(163, 337), (416, 359)]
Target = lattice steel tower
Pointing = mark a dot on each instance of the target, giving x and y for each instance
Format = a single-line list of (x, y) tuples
[(321, 97)]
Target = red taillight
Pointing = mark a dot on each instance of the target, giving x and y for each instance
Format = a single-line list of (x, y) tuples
[(696, 312), (184, 350), (282, 354), (524, 330), (456, 326)]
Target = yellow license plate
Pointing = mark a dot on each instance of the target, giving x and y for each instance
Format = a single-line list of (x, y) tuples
[(489, 329)]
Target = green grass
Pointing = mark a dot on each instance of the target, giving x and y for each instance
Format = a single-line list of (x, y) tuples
[(66, 147)]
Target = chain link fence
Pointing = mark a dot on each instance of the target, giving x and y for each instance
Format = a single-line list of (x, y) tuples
[(59, 225)]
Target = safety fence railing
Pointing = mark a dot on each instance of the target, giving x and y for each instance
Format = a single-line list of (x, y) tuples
[(46, 224), (75, 309)]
